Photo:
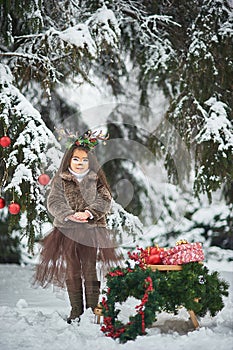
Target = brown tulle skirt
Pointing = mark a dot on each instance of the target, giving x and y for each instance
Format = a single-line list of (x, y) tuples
[(64, 251)]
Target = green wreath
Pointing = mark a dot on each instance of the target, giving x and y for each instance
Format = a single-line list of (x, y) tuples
[(158, 292)]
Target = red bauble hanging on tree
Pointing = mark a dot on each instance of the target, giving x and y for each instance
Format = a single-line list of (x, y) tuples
[(5, 141), (2, 203), (14, 208), (44, 179)]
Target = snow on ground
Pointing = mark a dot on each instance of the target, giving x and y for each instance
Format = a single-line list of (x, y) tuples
[(34, 318)]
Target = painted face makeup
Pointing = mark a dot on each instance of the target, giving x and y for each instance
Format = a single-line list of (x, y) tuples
[(79, 162)]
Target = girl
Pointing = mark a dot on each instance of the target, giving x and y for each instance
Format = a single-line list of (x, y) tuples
[(79, 201)]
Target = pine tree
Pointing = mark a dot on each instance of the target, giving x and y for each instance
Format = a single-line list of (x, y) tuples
[(201, 98), (188, 53), (33, 147), (182, 47), (42, 45)]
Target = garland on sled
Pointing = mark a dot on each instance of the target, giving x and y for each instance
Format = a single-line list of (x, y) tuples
[(158, 292)]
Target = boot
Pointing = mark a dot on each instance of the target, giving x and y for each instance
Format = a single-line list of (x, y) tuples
[(75, 292), (92, 291)]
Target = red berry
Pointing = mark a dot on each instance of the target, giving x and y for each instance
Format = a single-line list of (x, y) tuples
[(5, 141), (43, 179), (14, 208), (2, 203)]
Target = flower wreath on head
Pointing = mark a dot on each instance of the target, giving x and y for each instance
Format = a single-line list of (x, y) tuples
[(88, 140)]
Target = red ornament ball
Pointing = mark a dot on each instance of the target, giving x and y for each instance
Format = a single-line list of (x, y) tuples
[(5, 141), (154, 259), (14, 208), (44, 179), (2, 203)]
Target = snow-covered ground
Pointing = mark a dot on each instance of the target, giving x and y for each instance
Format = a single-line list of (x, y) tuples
[(34, 318)]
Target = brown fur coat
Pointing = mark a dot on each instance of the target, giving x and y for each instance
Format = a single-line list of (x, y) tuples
[(68, 196)]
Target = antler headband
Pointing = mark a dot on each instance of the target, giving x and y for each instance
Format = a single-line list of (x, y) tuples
[(88, 140)]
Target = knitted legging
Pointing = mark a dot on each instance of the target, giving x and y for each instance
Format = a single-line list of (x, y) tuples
[(82, 273)]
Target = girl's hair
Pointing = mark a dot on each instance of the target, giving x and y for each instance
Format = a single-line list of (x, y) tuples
[(93, 164)]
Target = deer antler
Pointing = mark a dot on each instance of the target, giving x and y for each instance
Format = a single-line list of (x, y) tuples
[(88, 139), (66, 132)]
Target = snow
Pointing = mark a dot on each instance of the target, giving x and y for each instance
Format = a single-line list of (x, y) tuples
[(216, 124), (132, 227), (22, 173), (34, 318), (32, 137), (102, 22), (79, 36), (6, 76)]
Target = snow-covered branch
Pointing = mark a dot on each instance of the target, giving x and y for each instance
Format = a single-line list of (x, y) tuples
[(217, 126), (29, 153)]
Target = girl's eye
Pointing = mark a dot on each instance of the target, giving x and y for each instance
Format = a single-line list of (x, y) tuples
[(85, 160)]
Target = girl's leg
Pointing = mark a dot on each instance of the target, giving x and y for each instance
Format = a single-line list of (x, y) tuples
[(92, 291), (74, 288), (92, 285)]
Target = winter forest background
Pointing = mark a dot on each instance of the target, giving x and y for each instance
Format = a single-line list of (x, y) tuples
[(156, 75)]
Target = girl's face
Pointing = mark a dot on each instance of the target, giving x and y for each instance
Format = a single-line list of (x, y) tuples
[(79, 162)]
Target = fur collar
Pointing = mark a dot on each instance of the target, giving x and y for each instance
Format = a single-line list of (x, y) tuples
[(66, 175)]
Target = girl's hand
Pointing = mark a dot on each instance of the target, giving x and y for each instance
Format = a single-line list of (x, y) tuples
[(82, 215), (76, 218)]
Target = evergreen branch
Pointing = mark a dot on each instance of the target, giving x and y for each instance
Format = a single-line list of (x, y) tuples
[(25, 55), (44, 61), (162, 18), (75, 5), (29, 36), (134, 11), (16, 54), (130, 13), (61, 57)]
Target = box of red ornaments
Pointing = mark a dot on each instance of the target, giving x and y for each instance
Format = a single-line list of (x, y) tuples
[(182, 253)]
